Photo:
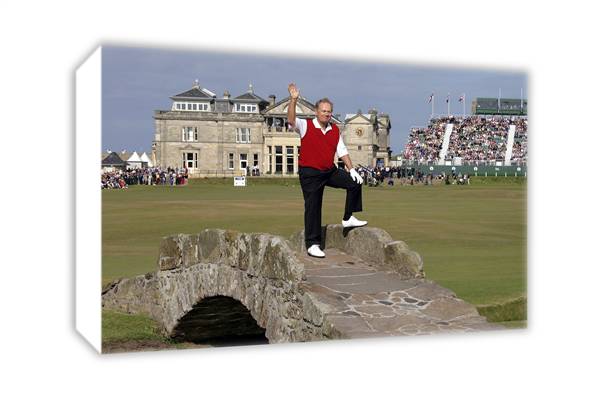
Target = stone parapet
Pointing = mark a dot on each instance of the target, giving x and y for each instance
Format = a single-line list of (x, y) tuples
[(206, 116), (258, 254), (370, 244)]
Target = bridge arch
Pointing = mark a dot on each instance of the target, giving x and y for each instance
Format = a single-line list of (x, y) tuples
[(258, 270), (219, 318), (272, 303)]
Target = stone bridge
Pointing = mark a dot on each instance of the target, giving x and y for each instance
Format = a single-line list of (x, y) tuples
[(225, 283)]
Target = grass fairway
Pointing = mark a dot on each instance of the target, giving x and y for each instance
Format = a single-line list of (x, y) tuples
[(472, 238)]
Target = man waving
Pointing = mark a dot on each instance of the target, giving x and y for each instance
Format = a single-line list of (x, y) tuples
[(320, 140)]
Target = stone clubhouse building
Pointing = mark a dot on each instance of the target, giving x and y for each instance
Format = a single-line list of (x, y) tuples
[(231, 136)]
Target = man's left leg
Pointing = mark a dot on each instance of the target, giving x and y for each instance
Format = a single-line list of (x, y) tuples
[(342, 180)]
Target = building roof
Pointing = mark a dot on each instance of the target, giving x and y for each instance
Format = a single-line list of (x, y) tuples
[(194, 93), (350, 117), (301, 100), (250, 96), (112, 159)]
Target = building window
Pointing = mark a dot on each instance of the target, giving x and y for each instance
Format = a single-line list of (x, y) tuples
[(289, 159), (230, 163), (192, 106), (190, 160), (359, 148), (278, 160), (242, 135), (248, 108), (255, 160), (269, 167), (189, 134), (243, 161)]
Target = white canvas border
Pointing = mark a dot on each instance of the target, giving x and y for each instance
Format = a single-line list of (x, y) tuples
[(88, 203)]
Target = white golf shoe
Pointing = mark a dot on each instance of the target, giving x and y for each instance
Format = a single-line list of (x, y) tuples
[(353, 222), (315, 251)]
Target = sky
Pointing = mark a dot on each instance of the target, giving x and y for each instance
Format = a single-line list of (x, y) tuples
[(137, 81)]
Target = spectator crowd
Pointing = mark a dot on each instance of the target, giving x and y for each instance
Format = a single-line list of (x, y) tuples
[(424, 144), (473, 138), (519, 150), (372, 176), (144, 176), (407, 176)]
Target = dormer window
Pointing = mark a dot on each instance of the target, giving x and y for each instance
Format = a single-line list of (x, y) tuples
[(248, 108), (188, 106)]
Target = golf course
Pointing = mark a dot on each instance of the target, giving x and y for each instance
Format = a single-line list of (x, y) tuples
[(472, 238)]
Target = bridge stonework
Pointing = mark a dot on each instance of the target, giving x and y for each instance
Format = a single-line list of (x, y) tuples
[(369, 285)]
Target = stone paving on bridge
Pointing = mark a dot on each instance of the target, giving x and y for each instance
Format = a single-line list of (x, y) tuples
[(364, 301)]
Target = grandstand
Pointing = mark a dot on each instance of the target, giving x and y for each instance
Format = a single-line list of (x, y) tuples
[(495, 140)]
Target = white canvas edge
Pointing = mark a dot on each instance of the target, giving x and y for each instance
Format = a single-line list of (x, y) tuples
[(88, 207)]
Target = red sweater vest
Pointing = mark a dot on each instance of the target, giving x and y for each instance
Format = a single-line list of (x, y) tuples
[(317, 150)]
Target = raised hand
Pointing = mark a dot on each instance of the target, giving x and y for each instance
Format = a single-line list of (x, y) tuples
[(294, 92)]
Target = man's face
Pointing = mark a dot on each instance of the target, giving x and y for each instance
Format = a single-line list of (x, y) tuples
[(324, 113)]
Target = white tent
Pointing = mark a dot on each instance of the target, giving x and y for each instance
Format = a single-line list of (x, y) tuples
[(144, 158), (134, 161)]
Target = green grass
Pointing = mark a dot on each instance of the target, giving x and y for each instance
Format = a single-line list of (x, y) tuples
[(494, 180), (514, 324), (514, 310), (472, 238), (117, 327)]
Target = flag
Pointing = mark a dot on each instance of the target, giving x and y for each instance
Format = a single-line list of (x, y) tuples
[(430, 98), (448, 98), (461, 98)]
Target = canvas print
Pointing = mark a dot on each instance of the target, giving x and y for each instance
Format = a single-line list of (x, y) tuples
[(255, 199)]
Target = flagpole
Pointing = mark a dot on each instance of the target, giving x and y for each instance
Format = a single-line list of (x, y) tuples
[(448, 102), (464, 104), (521, 100), (499, 95), (432, 103)]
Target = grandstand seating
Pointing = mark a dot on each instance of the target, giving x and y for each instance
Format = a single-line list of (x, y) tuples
[(473, 139)]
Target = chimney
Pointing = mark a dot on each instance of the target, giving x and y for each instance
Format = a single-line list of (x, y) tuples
[(272, 100)]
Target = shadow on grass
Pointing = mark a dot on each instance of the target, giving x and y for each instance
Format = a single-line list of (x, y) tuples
[(122, 333)]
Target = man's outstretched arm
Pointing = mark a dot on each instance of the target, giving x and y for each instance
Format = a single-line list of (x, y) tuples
[(291, 112)]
